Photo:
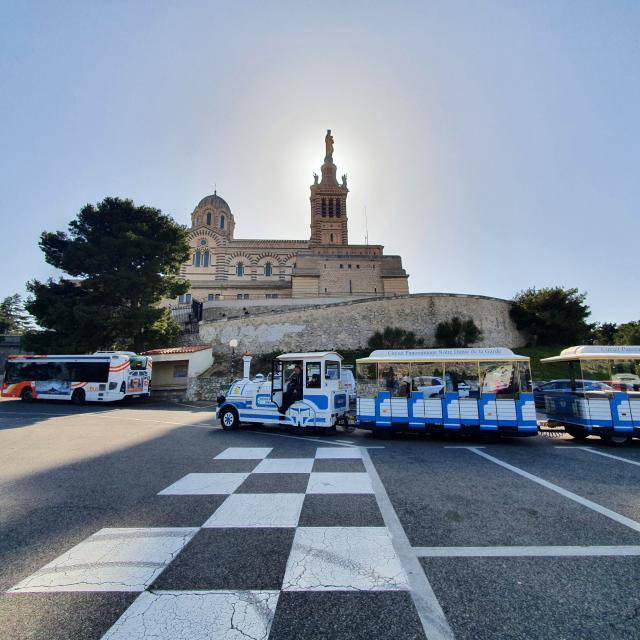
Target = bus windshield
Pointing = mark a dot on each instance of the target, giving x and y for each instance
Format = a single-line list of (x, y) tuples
[(137, 363)]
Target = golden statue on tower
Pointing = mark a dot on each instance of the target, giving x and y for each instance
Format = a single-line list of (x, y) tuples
[(328, 143)]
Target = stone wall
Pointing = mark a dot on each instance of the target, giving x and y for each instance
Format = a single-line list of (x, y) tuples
[(349, 325), (217, 309), (206, 388)]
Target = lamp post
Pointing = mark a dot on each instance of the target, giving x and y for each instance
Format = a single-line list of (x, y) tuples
[(233, 343)]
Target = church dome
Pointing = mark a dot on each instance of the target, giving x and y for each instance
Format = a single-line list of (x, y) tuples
[(214, 201), (214, 213)]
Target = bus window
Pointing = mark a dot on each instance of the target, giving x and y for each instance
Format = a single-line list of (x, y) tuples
[(393, 377), (593, 372), (428, 377), (625, 375), (462, 377), (137, 362), (367, 376), (524, 376), (500, 378), (90, 371)]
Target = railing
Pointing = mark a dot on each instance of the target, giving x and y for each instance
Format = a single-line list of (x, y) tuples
[(187, 315)]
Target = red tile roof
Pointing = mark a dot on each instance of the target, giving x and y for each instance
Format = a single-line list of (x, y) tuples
[(170, 350)]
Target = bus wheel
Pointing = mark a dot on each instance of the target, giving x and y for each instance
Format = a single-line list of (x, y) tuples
[(576, 434), (78, 397), (26, 395), (617, 439), (229, 419)]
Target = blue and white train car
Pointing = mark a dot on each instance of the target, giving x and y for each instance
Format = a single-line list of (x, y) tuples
[(323, 403), (446, 390), (596, 391)]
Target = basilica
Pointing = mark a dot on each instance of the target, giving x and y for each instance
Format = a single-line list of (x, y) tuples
[(223, 267)]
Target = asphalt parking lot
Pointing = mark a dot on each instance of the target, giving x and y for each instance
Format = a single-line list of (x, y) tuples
[(134, 521)]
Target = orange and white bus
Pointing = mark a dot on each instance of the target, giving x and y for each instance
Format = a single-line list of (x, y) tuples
[(104, 376)]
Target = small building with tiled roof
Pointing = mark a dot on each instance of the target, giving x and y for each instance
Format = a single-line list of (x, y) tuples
[(174, 366)]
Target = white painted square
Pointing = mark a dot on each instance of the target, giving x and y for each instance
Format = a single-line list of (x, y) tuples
[(339, 483), (197, 615), (323, 453), (343, 559), (111, 560), (258, 510), (244, 453), (285, 465), (201, 484)]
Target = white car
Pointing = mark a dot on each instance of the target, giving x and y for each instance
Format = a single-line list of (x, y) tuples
[(625, 381), (431, 386), (348, 383)]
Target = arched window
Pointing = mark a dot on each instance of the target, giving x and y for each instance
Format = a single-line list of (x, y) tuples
[(331, 240), (324, 207), (196, 259), (205, 259), (338, 208), (240, 269), (208, 217), (268, 269), (332, 208), (222, 220)]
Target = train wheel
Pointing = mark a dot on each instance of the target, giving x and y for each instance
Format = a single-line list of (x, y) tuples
[(576, 434), (26, 395), (229, 419), (78, 397), (617, 439), (302, 430)]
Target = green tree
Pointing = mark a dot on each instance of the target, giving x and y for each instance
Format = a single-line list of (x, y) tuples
[(628, 333), (552, 316), (13, 316), (122, 260), (604, 333), (457, 333), (394, 338)]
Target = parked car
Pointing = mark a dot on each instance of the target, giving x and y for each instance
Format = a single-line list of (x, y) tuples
[(625, 382), (431, 386), (348, 382), (564, 386)]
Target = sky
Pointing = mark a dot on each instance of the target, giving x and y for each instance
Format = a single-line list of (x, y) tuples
[(494, 145)]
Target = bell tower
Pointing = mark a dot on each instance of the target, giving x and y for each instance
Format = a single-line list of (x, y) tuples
[(329, 202)]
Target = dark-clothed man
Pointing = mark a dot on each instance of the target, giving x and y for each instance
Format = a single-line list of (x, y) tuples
[(293, 391)]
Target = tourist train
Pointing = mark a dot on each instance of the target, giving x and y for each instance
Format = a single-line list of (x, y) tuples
[(316, 400), (482, 390), (595, 391)]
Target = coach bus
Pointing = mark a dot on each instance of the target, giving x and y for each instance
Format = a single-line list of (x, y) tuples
[(595, 391), (481, 390), (102, 377)]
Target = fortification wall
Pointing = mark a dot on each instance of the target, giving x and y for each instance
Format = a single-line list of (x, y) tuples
[(349, 325)]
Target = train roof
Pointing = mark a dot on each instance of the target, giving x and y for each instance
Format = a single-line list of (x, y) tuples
[(442, 355), (307, 355), (596, 352)]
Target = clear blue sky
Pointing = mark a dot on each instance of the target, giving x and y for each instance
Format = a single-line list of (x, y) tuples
[(495, 144)]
